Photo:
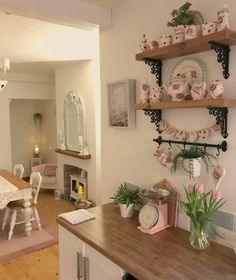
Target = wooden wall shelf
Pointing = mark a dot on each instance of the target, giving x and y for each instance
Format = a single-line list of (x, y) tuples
[(217, 107), (192, 46), (205, 103), (72, 154)]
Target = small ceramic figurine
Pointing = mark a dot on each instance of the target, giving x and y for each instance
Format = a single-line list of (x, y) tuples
[(178, 90), (85, 147), (198, 91), (223, 18), (144, 44), (216, 89), (145, 93)]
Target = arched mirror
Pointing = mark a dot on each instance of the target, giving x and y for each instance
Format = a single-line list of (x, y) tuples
[(74, 122)]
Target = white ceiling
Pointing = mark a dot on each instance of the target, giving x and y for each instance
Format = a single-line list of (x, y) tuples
[(35, 46), (42, 51), (109, 4), (43, 68)]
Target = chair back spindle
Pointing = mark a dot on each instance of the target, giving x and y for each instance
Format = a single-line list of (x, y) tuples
[(18, 170), (35, 181)]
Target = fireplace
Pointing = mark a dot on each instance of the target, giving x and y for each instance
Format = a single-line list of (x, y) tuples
[(78, 187), (75, 182)]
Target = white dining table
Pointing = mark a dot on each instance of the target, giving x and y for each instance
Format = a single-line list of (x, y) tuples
[(13, 188)]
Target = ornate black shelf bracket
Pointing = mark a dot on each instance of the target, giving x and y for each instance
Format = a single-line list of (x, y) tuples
[(221, 115), (155, 115), (156, 69), (222, 51)]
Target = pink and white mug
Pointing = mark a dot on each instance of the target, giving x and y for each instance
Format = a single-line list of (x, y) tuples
[(165, 40), (192, 31), (209, 27)]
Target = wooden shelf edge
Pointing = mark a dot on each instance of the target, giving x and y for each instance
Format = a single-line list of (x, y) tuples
[(205, 103), (72, 154), (192, 46)]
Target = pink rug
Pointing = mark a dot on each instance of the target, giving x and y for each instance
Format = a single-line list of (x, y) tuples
[(20, 244)]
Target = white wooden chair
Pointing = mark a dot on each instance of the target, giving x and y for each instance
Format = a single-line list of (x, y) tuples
[(18, 170), (17, 207)]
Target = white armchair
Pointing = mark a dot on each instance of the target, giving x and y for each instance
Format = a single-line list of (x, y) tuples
[(48, 172)]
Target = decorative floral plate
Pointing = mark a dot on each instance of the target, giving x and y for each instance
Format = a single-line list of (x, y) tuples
[(197, 18), (189, 70)]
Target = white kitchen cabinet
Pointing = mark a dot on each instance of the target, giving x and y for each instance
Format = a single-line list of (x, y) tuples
[(71, 250), (79, 261)]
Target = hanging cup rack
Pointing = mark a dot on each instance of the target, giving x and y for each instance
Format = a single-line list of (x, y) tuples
[(222, 146)]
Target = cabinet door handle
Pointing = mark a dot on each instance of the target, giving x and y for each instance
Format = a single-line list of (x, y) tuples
[(79, 260), (85, 269)]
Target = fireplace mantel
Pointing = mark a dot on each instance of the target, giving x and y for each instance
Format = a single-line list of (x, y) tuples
[(72, 154)]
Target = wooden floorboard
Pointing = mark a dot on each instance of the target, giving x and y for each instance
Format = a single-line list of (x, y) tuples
[(42, 264)]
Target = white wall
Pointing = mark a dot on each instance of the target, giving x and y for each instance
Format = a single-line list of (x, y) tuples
[(81, 79), (23, 87), (25, 134), (49, 130), (128, 154)]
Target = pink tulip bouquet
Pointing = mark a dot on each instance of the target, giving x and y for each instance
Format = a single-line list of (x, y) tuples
[(201, 207)]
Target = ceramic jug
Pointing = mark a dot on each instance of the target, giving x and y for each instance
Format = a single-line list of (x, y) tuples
[(178, 90), (198, 91), (144, 94), (216, 89), (156, 93)]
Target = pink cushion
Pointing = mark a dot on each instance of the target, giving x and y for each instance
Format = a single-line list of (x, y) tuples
[(50, 170)]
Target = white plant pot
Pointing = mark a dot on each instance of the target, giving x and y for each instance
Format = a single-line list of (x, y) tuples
[(126, 211), (195, 163)]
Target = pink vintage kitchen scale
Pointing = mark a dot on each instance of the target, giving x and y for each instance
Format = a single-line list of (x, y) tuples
[(160, 209)]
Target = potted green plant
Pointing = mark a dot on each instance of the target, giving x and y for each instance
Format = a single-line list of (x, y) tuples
[(127, 198), (182, 16), (190, 160)]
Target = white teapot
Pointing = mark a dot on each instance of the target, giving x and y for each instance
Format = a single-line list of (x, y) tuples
[(216, 89), (156, 93), (198, 91), (178, 90)]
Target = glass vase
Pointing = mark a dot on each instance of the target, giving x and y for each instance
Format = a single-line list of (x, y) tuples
[(198, 237)]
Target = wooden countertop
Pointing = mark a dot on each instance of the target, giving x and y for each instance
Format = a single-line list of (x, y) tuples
[(163, 256)]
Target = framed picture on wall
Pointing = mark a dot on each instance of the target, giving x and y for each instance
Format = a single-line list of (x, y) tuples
[(121, 101)]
